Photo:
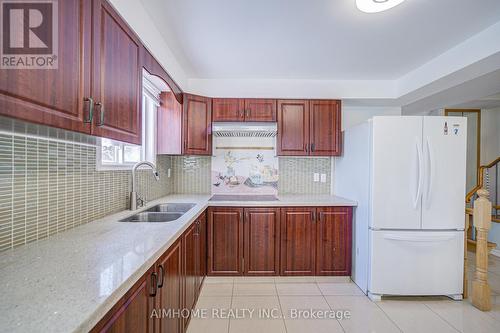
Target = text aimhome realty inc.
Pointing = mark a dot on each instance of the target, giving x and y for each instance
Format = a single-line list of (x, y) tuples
[(264, 313)]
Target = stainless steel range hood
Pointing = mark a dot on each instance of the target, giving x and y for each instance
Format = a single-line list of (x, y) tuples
[(239, 129)]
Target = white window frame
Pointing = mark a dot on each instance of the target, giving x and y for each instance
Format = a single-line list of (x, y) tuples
[(150, 104)]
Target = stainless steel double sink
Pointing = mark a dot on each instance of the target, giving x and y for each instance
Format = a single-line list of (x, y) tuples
[(168, 212)]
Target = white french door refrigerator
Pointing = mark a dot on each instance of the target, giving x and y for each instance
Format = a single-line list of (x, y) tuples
[(407, 174)]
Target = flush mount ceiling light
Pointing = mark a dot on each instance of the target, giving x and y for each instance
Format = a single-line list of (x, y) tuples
[(375, 6)]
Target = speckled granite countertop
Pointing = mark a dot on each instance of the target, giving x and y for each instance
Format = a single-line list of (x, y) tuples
[(68, 282)]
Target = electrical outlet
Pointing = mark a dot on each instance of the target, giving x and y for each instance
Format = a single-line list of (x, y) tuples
[(168, 172), (323, 177), (316, 177)]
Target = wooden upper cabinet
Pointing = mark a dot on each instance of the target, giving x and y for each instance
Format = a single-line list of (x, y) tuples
[(169, 125), (228, 109), (197, 134), (117, 76), (298, 240), (55, 97), (293, 128), (260, 109), (170, 282), (325, 132), (309, 128), (225, 241), (333, 246), (261, 241), (238, 109)]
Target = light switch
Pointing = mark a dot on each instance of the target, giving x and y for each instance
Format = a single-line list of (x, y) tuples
[(316, 177), (323, 177), (168, 172)]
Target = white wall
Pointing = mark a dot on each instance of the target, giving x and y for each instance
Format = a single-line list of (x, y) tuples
[(353, 115), (490, 135)]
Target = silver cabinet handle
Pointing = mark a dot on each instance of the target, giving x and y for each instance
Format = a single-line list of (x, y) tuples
[(91, 109), (101, 115)]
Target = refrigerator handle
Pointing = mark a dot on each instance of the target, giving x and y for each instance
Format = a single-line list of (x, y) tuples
[(420, 178), (429, 172), (409, 238)]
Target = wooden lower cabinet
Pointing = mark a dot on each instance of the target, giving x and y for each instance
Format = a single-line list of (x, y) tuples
[(231, 241), (333, 241), (170, 295), (261, 241), (225, 241), (172, 284), (202, 271), (132, 312), (191, 258), (298, 240)]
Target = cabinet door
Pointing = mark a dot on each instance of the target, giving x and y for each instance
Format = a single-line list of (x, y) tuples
[(133, 312), (298, 243), (325, 132), (261, 240), (197, 125), (169, 268), (55, 97), (334, 241), (225, 241), (260, 109), (169, 125), (228, 109), (117, 76), (190, 250), (203, 249), (293, 128)]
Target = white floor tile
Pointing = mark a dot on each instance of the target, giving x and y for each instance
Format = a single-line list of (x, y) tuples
[(254, 279), (365, 316), (464, 317), (254, 289), (305, 289), (292, 303), (217, 289), (257, 326), (295, 279), (341, 289), (414, 316), (218, 279), (212, 323)]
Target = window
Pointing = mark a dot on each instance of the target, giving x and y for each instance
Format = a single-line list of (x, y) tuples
[(116, 155)]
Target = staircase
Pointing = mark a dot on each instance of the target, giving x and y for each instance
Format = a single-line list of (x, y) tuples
[(482, 209), (488, 178)]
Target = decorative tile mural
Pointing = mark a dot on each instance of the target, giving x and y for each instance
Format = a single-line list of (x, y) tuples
[(244, 165)]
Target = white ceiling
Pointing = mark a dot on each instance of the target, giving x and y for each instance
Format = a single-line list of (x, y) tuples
[(313, 39)]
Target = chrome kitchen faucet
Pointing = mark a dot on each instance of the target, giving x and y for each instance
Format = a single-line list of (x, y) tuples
[(134, 199)]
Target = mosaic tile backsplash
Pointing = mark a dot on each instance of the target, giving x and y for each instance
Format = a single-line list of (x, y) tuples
[(191, 174), (296, 175), (49, 186)]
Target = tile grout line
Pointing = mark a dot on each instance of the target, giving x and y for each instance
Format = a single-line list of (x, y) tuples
[(329, 305), (442, 318), (230, 307), (387, 315), (281, 308)]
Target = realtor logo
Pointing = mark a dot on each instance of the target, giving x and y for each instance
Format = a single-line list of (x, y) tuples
[(29, 38)]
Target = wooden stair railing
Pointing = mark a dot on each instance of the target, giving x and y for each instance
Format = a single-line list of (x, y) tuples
[(495, 215), (481, 293)]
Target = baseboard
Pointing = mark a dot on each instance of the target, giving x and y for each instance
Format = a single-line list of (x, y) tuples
[(495, 252)]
